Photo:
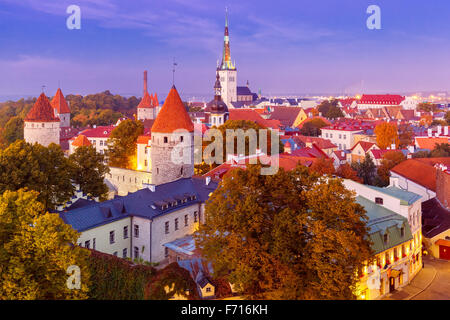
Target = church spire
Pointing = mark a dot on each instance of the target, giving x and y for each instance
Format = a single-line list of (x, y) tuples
[(226, 56)]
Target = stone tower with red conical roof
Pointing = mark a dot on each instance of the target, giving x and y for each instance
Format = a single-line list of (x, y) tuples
[(41, 124), (172, 142), (148, 107), (61, 109)]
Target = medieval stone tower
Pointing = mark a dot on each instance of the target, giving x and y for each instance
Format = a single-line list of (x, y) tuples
[(227, 71), (148, 108), (41, 124), (172, 142), (61, 108)]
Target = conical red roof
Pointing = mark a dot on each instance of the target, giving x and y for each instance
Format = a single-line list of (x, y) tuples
[(42, 111), (81, 141), (173, 115), (146, 102), (59, 103), (155, 100)]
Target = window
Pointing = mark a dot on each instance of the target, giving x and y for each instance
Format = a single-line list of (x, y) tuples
[(87, 244), (93, 243), (208, 289), (136, 252), (101, 142), (176, 224), (145, 162), (43, 125), (186, 220), (195, 216), (136, 231), (115, 253), (331, 135), (181, 170), (166, 252), (124, 253), (385, 238), (340, 136), (181, 138), (125, 232), (166, 227), (378, 200), (165, 139), (111, 237)]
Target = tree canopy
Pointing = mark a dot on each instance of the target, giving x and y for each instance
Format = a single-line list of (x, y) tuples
[(330, 109), (88, 170), (441, 150), (390, 160), (292, 235), (366, 170), (122, 144), (387, 134), (39, 168), (37, 248), (312, 127)]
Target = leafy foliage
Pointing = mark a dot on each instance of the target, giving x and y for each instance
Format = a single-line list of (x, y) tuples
[(312, 127), (345, 171), (441, 150), (366, 170), (330, 109), (13, 129), (387, 134), (323, 166), (88, 170), (390, 160), (122, 144), (36, 251), (292, 235), (46, 170)]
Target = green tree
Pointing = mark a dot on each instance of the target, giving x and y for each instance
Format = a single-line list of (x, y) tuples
[(88, 170), (37, 248), (441, 150), (427, 107), (39, 168), (312, 127), (421, 154), (13, 129), (330, 109), (292, 235), (122, 144), (345, 171), (390, 160), (366, 170)]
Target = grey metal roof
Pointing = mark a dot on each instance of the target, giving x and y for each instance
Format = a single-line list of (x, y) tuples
[(142, 203)]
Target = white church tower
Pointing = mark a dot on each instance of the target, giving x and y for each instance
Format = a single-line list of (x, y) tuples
[(227, 71)]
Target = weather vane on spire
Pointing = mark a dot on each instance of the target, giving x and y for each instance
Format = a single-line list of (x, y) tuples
[(173, 72), (42, 87)]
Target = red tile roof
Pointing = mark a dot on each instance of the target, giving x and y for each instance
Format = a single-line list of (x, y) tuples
[(252, 115), (420, 170), (364, 144), (81, 141), (320, 142), (42, 111), (143, 139), (99, 132), (430, 142), (146, 101), (378, 154), (173, 115), (386, 99), (59, 103)]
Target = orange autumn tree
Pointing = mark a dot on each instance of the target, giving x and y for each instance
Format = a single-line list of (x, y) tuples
[(346, 171), (387, 134), (323, 166)]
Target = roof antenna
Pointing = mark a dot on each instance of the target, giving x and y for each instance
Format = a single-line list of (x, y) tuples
[(173, 72)]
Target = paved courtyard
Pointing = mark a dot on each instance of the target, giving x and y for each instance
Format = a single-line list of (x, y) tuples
[(432, 283)]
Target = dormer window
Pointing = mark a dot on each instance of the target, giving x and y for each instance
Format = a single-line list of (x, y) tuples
[(378, 200), (385, 238), (402, 232)]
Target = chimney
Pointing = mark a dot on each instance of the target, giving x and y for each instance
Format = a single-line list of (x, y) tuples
[(393, 146), (145, 82), (411, 149), (207, 180), (446, 131), (430, 133)]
